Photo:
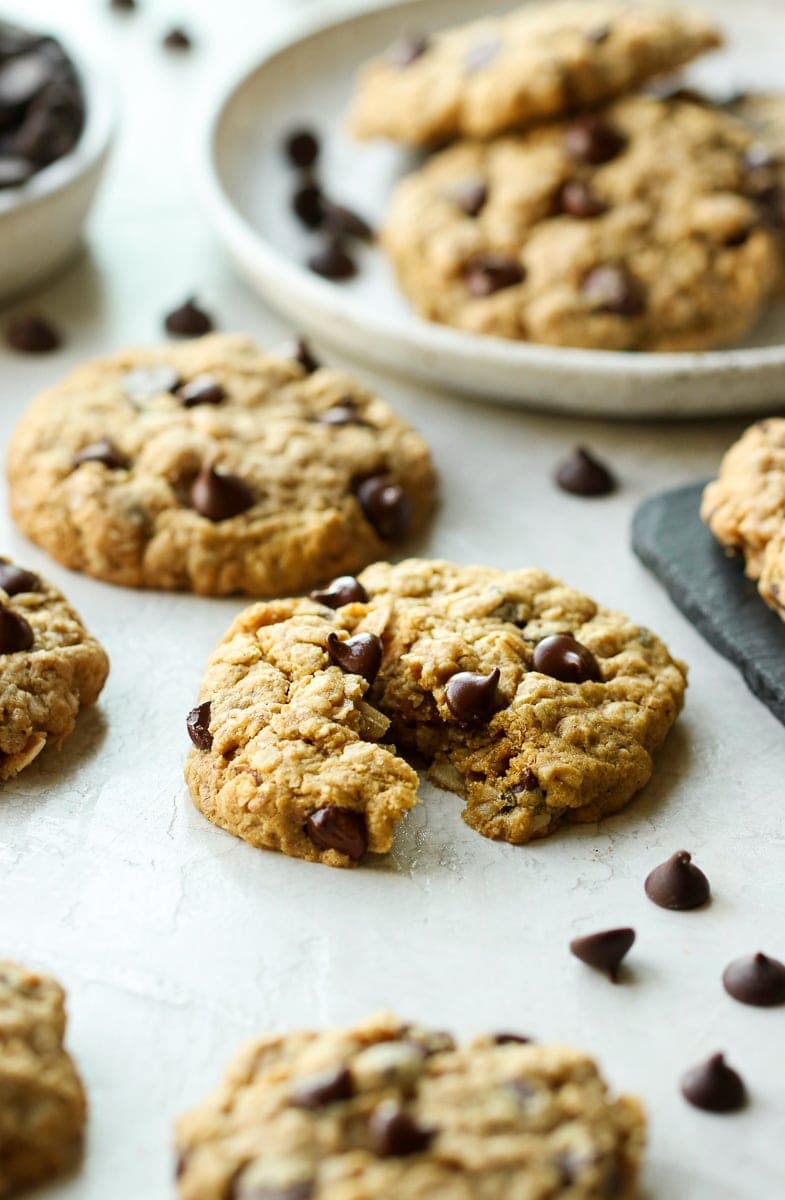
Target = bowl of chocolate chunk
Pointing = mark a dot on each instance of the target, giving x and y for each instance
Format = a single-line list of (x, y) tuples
[(56, 122)]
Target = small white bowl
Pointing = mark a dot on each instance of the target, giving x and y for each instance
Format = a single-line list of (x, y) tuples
[(41, 222)]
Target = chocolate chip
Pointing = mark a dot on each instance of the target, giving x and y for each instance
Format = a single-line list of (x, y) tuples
[(613, 289), (345, 413), (510, 1039), (756, 979), (386, 506), (341, 829), (358, 655), (15, 580), (308, 205), (604, 951), (488, 273), (678, 884), (326, 1088), (123, 5), (300, 352), (583, 475), (592, 140), (15, 633), (217, 495), (408, 49), (471, 697), (471, 196), (714, 1086), (598, 34), (198, 725), (302, 148), (343, 222), (332, 261), (24, 77), (482, 55), (178, 39), (563, 657), (14, 172), (103, 451), (188, 321), (576, 199), (145, 383), (396, 1134), (204, 389), (32, 335), (343, 590)]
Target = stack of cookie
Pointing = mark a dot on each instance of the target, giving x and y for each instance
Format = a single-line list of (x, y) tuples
[(566, 209)]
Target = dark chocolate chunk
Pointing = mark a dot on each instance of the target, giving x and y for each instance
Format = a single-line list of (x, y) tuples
[(756, 979), (329, 1087), (471, 196), (613, 289), (103, 451), (341, 829), (15, 580), (332, 261), (584, 475), (188, 321), (302, 148), (217, 495), (408, 49), (591, 140), (203, 389), (395, 1133), (482, 55), (471, 697), (510, 1039), (14, 172), (488, 273), (343, 590), (308, 205), (145, 383), (604, 951), (714, 1086), (678, 884), (300, 351), (386, 506), (198, 726), (358, 655), (563, 657), (343, 222), (15, 632), (576, 199), (178, 39), (32, 335)]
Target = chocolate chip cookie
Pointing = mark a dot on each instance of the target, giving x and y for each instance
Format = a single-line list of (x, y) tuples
[(387, 1109), (210, 466), (640, 227), (43, 1109), (541, 61), (764, 112), (529, 700), (50, 666)]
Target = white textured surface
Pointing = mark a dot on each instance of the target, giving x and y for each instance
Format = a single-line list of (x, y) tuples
[(176, 941)]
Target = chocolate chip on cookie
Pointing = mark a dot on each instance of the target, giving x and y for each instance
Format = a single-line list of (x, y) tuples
[(345, 412), (219, 495), (343, 590), (386, 506), (564, 658), (472, 697), (359, 655), (198, 725), (329, 1087), (147, 382), (300, 351), (593, 140), (395, 1133), (204, 389), (577, 199), (408, 49), (16, 634), (340, 829), (103, 451), (492, 272), (16, 580), (471, 196), (614, 289)]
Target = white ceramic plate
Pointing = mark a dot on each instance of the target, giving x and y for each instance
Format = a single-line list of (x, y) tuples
[(308, 79)]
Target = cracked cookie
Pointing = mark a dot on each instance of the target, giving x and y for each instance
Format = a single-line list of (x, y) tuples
[(388, 1109), (50, 666), (529, 700), (637, 228), (541, 61), (43, 1109), (213, 467)]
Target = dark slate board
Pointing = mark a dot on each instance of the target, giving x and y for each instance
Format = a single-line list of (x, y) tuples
[(711, 590)]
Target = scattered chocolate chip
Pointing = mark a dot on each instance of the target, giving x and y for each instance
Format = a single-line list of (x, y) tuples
[(188, 321), (598, 34), (471, 697), (341, 829), (345, 413), (604, 951), (488, 273), (343, 590), (576, 199), (103, 451), (756, 979), (396, 1134), (14, 172), (300, 352), (178, 39), (204, 389), (308, 205), (714, 1086), (386, 506), (471, 196), (15, 633), (145, 383), (343, 222), (583, 475), (592, 140), (32, 335), (326, 1088), (217, 495), (358, 655), (509, 1039), (481, 55), (198, 725), (678, 884), (332, 261), (563, 657), (613, 289), (15, 580), (408, 49), (302, 148)]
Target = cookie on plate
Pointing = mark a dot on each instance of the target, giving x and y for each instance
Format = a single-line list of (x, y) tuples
[(50, 667), (387, 1109), (542, 60), (638, 228), (532, 702), (43, 1109), (215, 468)]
